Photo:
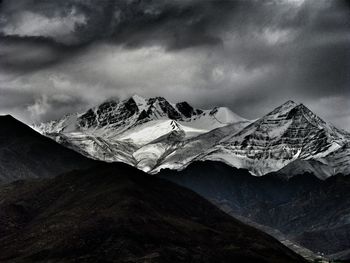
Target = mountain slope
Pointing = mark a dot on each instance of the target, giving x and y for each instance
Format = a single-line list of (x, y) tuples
[(312, 212), (153, 134), (192, 149), (136, 130), (24, 153), (116, 213), (288, 133)]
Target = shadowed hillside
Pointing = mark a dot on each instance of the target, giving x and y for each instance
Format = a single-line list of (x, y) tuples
[(309, 211), (24, 153), (116, 213)]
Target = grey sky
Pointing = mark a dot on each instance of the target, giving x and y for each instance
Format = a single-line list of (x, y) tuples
[(58, 57)]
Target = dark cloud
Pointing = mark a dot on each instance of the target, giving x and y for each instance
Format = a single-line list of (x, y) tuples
[(28, 53), (246, 54), (176, 24)]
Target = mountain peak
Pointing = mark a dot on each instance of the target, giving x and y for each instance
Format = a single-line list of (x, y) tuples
[(289, 104), (158, 98), (283, 109), (138, 99), (297, 111)]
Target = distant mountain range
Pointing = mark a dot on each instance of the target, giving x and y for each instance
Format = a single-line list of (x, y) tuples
[(153, 134)]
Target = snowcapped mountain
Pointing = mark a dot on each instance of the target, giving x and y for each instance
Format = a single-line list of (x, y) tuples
[(153, 134), (288, 134), (122, 115), (137, 130)]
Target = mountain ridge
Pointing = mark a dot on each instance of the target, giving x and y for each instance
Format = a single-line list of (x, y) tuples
[(25, 153), (140, 132), (112, 110)]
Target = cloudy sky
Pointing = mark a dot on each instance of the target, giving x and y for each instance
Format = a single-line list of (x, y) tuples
[(58, 57)]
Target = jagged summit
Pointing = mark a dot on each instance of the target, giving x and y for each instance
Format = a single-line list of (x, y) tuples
[(122, 115), (159, 107), (112, 111)]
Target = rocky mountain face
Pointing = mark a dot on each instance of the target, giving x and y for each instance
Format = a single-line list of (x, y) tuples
[(153, 134), (306, 211), (24, 153), (289, 133), (138, 131), (122, 115), (116, 213)]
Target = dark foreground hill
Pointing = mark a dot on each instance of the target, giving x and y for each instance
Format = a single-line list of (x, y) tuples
[(116, 213), (311, 212), (24, 153)]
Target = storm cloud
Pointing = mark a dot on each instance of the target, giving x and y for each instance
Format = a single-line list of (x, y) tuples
[(58, 57)]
